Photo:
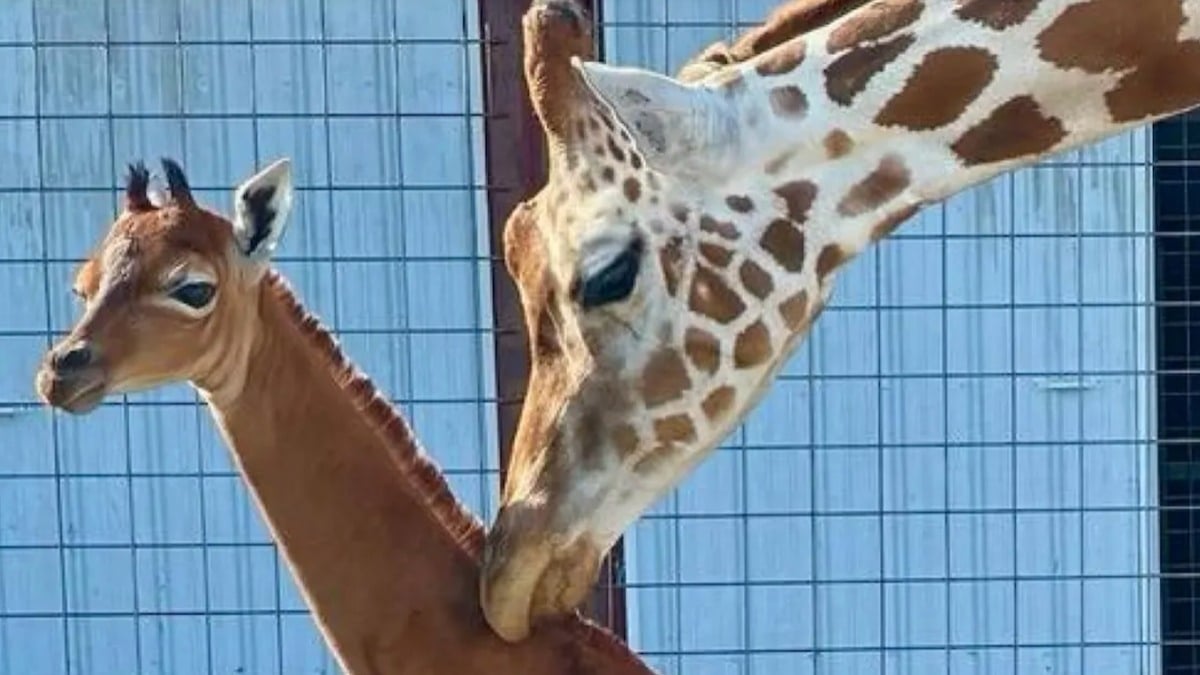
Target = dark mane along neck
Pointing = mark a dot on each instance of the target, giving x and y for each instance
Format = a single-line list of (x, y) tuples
[(785, 22), (421, 473)]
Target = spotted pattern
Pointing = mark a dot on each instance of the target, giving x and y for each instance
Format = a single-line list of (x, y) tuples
[(664, 379), (718, 403), (702, 349), (882, 185), (848, 76), (781, 59), (876, 20), (838, 144), (996, 14), (755, 279), (753, 346), (788, 101), (1017, 128), (944, 83), (675, 429), (784, 241), (712, 297), (794, 309), (633, 189)]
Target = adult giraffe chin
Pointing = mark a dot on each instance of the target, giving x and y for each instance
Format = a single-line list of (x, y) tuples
[(692, 228)]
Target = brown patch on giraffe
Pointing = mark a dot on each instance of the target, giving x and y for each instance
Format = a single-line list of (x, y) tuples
[(1015, 129), (675, 429), (664, 379), (712, 297), (838, 144), (889, 224), (1105, 35), (635, 159), (996, 14), (755, 279), (785, 242), (680, 212), (788, 101), (718, 403), (723, 229), (633, 189), (589, 184), (798, 197), (773, 166), (1159, 87), (830, 258), (625, 438), (670, 259), (848, 76), (794, 309), (877, 20), (1159, 72), (615, 150), (717, 255), (941, 87), (703, 350), (882, 185), (608, 175), (739, 203), (753, 346), (782, 58)]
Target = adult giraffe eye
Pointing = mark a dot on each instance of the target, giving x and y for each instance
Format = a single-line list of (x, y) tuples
[(613, 282), (194, 294)]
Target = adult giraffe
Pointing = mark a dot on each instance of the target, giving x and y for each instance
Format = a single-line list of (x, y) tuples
[(691, 229), (383, 553)]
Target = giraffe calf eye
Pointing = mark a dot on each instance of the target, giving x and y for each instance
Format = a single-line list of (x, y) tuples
[(612, 283), (194, 294)]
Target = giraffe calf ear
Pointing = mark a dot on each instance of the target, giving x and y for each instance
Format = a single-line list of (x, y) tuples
[(261, 206), (675, 125)]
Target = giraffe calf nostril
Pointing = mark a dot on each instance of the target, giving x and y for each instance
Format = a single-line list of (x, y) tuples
[(78, 356)]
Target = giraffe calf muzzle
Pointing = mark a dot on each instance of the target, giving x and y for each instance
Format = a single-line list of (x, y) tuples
[(72, 378), (532, 574)]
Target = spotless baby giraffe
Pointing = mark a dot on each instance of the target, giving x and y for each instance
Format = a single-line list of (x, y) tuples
[(384, 555), (692, 228)]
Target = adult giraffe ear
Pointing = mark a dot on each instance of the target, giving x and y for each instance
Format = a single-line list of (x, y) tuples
[(675, 125), (261, 206)]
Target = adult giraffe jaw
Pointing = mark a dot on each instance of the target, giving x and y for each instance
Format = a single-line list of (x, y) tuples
[(741, 192)]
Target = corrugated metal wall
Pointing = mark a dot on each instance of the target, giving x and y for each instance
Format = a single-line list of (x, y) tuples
[(951, 476), (127, 543)]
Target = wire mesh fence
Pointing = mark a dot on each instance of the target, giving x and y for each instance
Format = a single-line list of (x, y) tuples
[(980, 463), (127, 541)]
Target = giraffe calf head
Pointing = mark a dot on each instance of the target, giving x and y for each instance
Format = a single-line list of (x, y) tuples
[(166, 295)]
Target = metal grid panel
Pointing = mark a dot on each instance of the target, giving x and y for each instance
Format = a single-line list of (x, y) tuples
[(955, 473), (127, 542)]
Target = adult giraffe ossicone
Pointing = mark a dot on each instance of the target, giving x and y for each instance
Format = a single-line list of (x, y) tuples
[(383, 554), (691, 229)]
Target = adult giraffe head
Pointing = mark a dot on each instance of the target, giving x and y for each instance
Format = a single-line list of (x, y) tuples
[(691, 228)]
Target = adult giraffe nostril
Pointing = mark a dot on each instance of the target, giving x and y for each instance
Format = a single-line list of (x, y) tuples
[(78, 356)]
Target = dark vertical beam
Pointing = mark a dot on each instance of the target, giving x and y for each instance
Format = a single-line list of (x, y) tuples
[(516, 169), (1177, 295)]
